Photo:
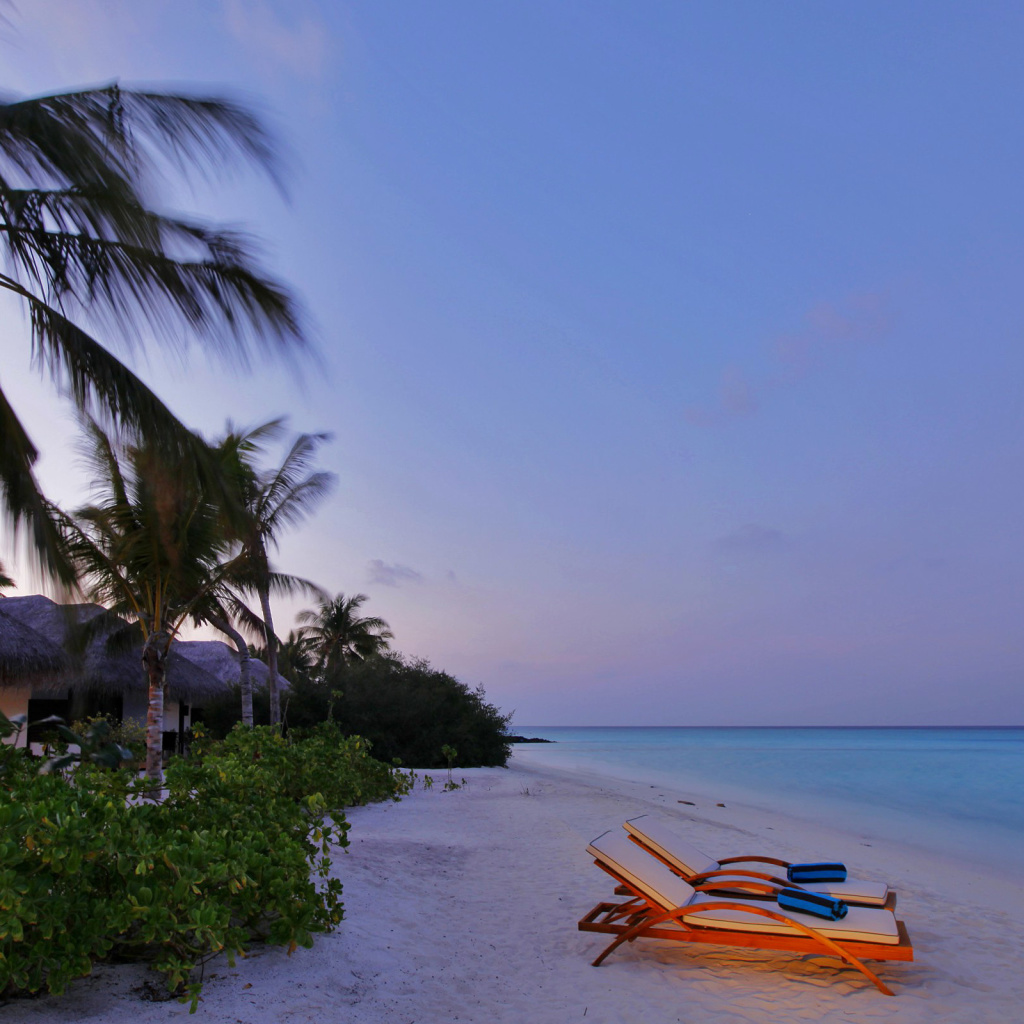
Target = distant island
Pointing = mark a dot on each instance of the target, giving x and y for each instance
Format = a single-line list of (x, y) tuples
[(526, 739)]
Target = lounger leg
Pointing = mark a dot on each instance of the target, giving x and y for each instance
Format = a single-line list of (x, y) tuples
[(635, 932)]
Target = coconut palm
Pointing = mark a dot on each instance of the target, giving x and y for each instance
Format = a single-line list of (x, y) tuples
[(153, 549), (273, 500), (94, 264), (336, 634)]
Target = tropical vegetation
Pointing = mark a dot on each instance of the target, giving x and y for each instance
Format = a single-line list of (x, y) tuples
[(404, 708), (96, 265), (231, 843), (334, 634), (153, 549), (239, 850), (271, 500)]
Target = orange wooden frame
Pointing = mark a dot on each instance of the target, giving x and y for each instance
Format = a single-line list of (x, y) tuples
[(638, 917)]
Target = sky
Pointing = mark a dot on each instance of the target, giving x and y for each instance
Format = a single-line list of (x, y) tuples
[(672, 352)]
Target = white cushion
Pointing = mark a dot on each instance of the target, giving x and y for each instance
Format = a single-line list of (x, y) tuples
[(670, 845), (861, 924), (649, 876)]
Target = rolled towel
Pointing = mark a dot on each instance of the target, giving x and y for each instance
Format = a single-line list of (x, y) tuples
[(811, 903), (828, 871)]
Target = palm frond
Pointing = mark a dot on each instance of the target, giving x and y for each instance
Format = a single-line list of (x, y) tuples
[(248, 621), (216, 291), (110, 134), (24, 505), (289, 586)]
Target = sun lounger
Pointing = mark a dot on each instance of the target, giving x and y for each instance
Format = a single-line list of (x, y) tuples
[(663, 906), (733, 873)]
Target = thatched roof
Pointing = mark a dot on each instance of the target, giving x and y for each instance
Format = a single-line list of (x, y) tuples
[(25, 654), (91, 661), (221, 661)]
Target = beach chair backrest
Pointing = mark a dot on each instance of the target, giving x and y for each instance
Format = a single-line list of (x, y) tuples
[(667, 843), (639, 869)]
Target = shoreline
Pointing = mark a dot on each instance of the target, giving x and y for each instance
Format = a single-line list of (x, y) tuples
[(749, 810), (950, 823), (462, 906)]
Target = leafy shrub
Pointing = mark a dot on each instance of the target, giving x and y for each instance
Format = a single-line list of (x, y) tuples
[(407, 710), (404, 709), (238, 850), (128, 733)]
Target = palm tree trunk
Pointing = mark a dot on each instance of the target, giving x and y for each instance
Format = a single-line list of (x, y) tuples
[(268, 628), (154, 660), (244, 673)]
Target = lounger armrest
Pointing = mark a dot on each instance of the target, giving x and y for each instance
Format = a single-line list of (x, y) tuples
[(746, 886), (763, 860), (774, 879)]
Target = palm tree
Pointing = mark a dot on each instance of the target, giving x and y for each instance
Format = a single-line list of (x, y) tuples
[(153, 550), (88, 256), (336, 634), (273, 500)]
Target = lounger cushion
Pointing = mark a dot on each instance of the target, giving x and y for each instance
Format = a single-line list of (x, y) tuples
[(667, 843), (670, 845), (640, 869), (861, 924)]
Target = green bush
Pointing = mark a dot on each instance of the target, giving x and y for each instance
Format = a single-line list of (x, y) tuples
[(238, 850), (407, 710)]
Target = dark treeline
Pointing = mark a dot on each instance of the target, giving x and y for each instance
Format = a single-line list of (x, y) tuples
[(405, 708)]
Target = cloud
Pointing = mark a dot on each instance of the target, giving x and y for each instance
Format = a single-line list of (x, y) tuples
[(753, 537), (737, 395), (859, 318), (300, 48), (392, 575)]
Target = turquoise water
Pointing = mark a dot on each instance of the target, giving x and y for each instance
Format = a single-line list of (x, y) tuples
[(959, 792)]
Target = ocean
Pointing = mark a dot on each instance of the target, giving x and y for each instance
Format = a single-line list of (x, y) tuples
[(958, 792)]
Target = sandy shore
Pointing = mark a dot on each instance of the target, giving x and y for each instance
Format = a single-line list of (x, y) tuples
[(463, 906)]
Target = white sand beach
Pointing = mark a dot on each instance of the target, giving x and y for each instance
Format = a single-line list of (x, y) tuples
[(463, 906)]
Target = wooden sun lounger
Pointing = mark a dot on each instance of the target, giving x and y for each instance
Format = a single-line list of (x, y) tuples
[(735, 874), (663, 906)]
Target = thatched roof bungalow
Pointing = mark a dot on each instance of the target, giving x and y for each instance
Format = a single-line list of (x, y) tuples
[(76, 660)]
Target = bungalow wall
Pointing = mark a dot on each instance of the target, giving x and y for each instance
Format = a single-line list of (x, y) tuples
[(14, 701)]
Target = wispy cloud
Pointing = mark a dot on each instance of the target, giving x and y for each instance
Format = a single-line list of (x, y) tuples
[(859, 318), (392, 575), (297, 42)]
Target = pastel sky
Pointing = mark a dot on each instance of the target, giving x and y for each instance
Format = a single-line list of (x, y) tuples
[(673, 351)]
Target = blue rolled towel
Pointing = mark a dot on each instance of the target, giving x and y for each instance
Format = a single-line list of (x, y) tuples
[(827, 871), (812, 903)]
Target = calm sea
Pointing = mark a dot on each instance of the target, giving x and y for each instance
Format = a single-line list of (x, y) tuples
[(959, 792)]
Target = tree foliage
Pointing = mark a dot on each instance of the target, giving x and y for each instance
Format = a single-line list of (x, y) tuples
[(96, 265), (405, 708), (335, 634)]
